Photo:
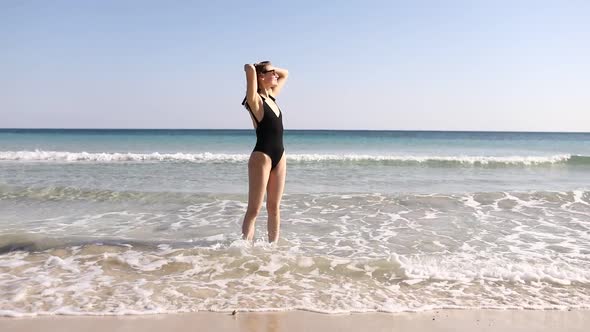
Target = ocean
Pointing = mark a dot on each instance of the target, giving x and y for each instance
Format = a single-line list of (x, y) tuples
[(117, 222)]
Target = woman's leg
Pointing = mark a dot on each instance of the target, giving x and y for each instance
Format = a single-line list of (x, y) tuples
[(258, 173), (274, 193)]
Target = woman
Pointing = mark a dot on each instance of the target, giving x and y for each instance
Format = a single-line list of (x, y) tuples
[(267, 165)]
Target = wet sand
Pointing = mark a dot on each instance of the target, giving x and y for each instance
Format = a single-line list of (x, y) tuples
[(439, 320)]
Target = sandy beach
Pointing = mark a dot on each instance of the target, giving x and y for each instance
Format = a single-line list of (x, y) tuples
[(439, 320)]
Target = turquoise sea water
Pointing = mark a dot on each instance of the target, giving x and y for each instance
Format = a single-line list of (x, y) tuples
[(370, 161), (145, 221)]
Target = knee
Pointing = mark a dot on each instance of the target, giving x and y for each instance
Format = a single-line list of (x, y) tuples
[(253, 211), (272, 208)]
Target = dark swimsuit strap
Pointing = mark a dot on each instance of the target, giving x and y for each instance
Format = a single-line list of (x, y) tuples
[(245, 104)]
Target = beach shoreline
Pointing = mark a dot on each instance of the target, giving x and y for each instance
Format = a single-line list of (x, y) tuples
[(436, 320)]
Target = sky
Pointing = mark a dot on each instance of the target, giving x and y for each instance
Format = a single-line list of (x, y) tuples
[(366, 65)]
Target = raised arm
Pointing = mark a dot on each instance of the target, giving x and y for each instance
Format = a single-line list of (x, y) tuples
[(283, 74), (252, 97), (251, 83)]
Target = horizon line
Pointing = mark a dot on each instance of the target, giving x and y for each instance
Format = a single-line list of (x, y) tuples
[(301, 129)]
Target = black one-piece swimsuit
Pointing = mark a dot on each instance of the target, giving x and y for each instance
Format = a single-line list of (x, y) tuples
[(269, 132)]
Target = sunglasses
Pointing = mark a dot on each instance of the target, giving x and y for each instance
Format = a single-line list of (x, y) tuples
[(267, 71)]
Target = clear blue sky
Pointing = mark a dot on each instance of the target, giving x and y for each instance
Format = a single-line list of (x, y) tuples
[(407, 65)]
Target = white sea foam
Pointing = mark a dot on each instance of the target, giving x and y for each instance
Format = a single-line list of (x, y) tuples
[(64, 156), (206, 157), (484, 160), (474, 251), (123, 281)]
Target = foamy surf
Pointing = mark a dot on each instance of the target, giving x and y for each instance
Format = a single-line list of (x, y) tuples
[(339, 254), (207, 157), (97, 279)]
